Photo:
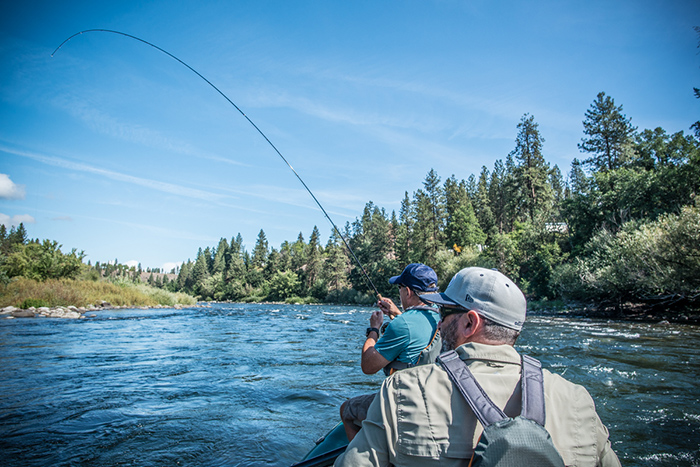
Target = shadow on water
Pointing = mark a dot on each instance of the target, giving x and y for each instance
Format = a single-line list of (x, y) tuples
[(248, 384)]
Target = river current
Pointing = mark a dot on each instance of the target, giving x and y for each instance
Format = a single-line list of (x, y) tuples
[(249, 384)]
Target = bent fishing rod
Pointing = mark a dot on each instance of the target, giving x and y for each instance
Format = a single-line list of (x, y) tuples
[(249, 121)]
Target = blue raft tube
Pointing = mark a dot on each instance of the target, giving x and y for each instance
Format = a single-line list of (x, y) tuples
[(327, 449)]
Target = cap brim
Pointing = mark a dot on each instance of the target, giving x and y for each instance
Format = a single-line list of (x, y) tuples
[(440, 299), (394, 279)]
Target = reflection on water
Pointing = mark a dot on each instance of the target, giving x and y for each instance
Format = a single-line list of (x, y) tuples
[(245, 384)]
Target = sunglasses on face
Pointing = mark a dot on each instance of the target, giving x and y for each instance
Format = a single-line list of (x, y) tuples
[(445, 311)]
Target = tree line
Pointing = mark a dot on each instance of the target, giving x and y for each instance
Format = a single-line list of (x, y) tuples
[(622, 226)]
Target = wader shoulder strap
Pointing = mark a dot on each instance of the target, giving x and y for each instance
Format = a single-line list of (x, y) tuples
[(532, 387), (485, 410)]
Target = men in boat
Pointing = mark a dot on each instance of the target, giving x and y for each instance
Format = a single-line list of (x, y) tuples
[(420, 418), (407, 335)]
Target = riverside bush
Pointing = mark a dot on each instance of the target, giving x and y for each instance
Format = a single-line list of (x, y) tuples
[(641, 262), (33, 302)]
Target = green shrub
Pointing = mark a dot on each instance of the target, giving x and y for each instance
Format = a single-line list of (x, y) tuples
[(33, 302), (641, 262)]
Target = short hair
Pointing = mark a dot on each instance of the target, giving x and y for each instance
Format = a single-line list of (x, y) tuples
[(499, 333), (423, 292)]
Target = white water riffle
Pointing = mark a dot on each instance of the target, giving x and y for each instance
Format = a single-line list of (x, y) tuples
[(248, 384)]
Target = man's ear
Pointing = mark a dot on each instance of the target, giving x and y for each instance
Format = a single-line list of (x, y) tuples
[(472, 323), (411, 293)]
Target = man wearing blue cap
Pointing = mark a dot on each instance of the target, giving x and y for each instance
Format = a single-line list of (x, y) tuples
[(420, 417), (410, 338)]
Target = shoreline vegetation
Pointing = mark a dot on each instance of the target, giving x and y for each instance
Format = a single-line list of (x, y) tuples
[(23, 297), (75, 299), (618, 238)]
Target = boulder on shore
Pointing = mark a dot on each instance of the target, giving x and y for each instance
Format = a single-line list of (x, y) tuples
[(24, 313)]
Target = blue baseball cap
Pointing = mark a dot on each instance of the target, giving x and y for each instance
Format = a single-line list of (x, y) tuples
[(417, 276)]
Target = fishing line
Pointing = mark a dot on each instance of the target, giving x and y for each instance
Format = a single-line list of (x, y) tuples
[(249, 121)]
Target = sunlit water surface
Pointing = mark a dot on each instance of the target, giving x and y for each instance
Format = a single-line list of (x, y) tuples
[(246, 384)]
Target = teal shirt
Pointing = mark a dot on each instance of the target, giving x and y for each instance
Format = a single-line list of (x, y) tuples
[(408, 334)]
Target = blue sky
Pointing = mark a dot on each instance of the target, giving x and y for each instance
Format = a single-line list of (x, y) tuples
[(114, 148)]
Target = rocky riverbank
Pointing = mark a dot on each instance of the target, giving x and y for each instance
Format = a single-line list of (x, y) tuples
[(69, 312)]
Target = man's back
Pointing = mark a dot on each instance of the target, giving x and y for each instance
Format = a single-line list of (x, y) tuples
[(420, 419), (408, 334)]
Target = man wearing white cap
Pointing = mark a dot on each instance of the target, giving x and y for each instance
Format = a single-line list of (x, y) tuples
[(419, 417)]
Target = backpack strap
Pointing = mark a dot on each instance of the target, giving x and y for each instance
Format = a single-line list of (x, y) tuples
[(485, 410), (532, 388)]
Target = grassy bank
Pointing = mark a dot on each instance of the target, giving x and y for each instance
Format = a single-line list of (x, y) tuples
[(66, 292)]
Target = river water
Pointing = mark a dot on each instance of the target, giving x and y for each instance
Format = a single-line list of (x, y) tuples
[(248, 384)]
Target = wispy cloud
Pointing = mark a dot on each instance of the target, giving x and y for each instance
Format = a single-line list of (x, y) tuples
[(153, 230), (9, 189), (338, 114), (224, 197), (105, 124), (501, 106), (157, 185)]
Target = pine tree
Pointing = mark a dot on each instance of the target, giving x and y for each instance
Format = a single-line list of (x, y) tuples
[(272, 264), (184, 281), (298, 256), (209, 259), (285, 259), (19, 236), (609, 135), (4, 242), (498, 199), (483, 203), (429, 209), (462, 228), (436, 196), (531, 173), (402, 241), (337, 264), (556, 180), (235, 268), (260, 251), (219, 264), (313, 258), (200, 270)]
